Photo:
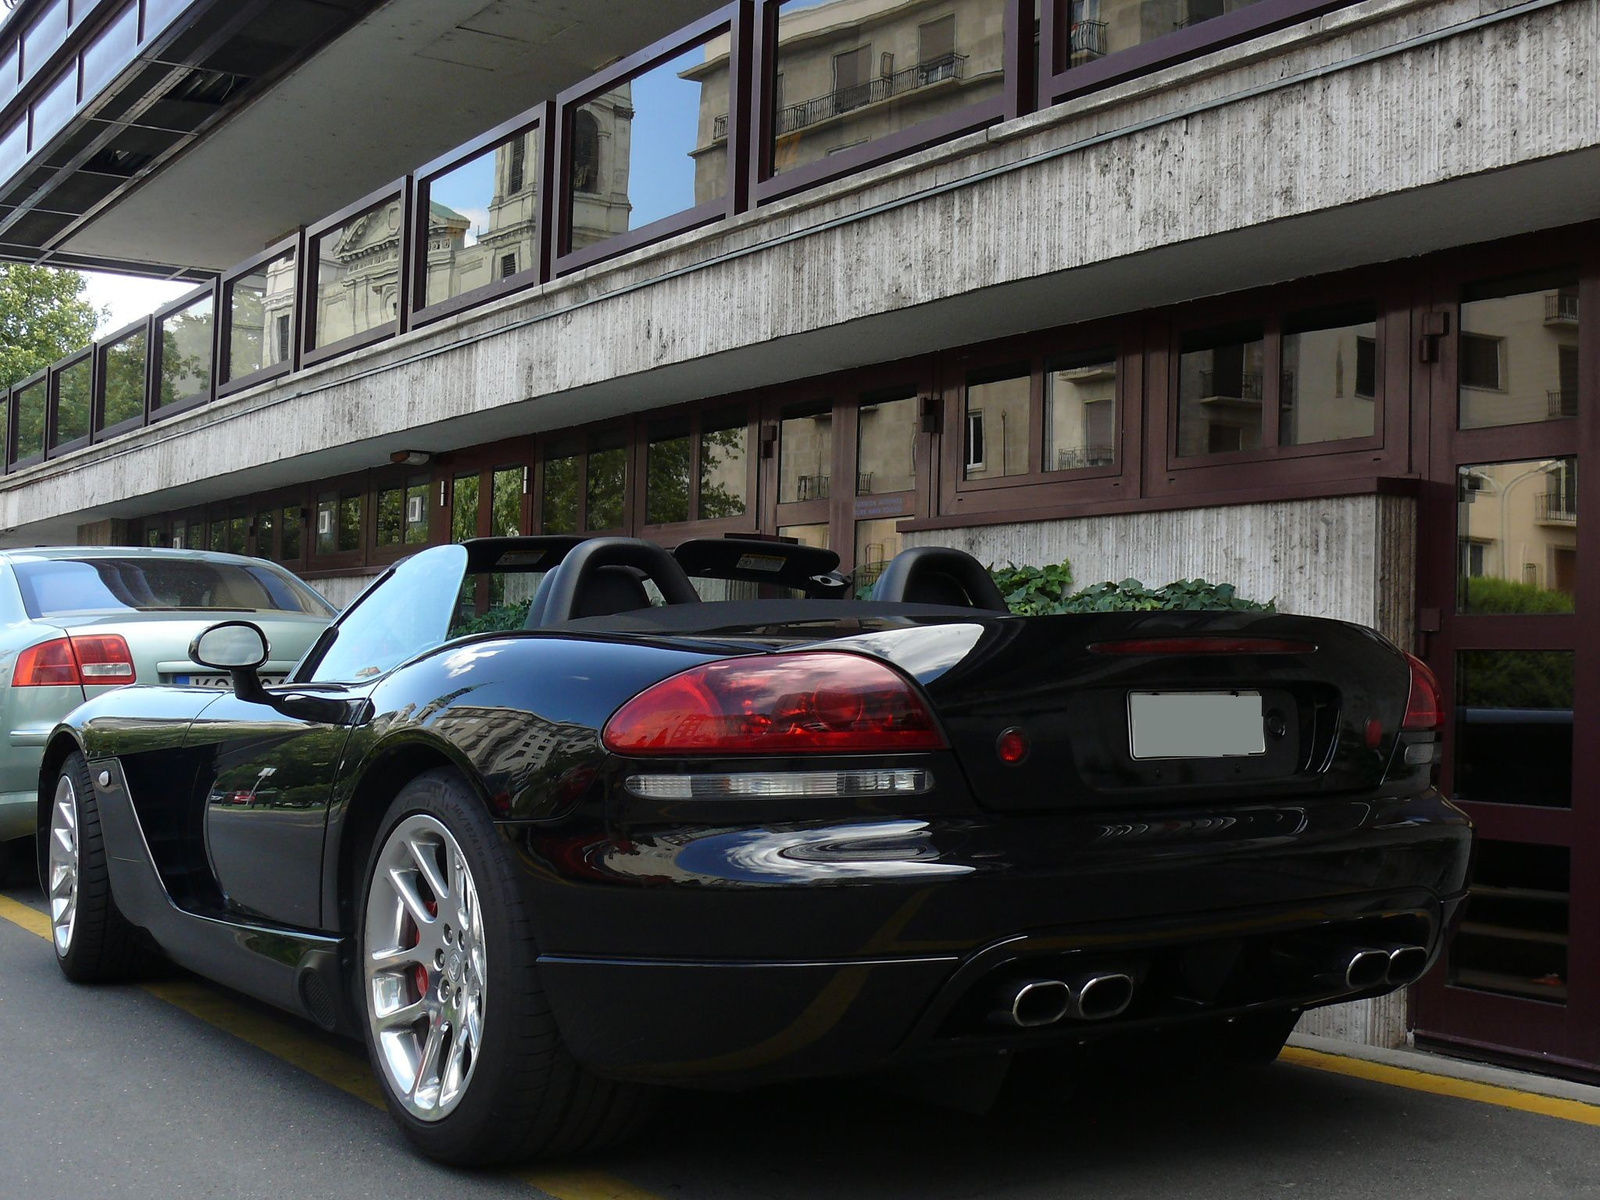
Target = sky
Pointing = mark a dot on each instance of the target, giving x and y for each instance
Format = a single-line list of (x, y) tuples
[(128, 298)]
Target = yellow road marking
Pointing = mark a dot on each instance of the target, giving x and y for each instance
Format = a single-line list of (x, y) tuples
[(346, 1071), (1444, 1085)]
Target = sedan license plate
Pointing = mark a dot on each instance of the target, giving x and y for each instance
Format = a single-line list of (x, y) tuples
[(217, 681), (1195, 724)]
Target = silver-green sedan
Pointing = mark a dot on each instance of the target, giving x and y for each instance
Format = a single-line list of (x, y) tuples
[(78, 621)]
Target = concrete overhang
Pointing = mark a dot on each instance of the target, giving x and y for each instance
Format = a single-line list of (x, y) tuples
[(1383, 143)]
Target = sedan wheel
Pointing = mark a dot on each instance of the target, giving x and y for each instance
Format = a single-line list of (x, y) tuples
[(63, 870), (426, 967)]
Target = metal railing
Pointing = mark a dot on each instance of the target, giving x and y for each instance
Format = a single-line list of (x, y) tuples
[(1560, 307), (1556, 508), (1075, 458), (815, 487), (858, 95), (719, 128), (1231, 385), (1088, 40), (1561, 402)]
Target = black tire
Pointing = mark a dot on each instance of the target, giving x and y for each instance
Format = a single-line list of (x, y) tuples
[(526, 1097), (103, 947)]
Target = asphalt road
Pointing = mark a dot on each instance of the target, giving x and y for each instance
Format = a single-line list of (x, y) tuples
[(176, 1089)]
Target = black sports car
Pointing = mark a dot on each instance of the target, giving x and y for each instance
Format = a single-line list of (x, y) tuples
[(644, 838)]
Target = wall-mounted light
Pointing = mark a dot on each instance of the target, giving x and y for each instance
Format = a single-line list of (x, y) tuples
[(410, 458)]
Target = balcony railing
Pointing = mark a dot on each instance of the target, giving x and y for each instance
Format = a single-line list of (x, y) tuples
[(1555, 508), (1561, 308), (1230, 385), (1561, 402), (814, 487), (1088, 40), (1075, 458), (858, 95)]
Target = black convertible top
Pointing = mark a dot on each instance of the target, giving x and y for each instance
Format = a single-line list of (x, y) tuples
[(765, 620)]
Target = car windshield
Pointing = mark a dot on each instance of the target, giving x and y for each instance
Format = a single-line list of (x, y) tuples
[(62, 587)]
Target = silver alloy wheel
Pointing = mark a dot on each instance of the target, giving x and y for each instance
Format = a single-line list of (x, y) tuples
[(64, 865), (424, 967)]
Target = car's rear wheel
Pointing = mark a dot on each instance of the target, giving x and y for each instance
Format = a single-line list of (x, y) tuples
[(93, 941), (460, 1034)]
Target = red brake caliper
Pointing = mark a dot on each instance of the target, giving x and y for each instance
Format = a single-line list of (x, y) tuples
[(419, 973)]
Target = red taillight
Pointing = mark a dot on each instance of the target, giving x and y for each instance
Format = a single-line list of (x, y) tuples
[(1202, 645), (805, 703), (1425, 708), (87, 659)]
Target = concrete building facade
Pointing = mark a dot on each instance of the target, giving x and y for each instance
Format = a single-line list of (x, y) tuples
[(1296, 296)]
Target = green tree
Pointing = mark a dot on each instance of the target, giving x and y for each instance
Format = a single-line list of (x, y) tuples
[(43, 318)]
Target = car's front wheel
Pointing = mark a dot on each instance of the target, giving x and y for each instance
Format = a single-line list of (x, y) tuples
[(460, 1034), (93, 941)]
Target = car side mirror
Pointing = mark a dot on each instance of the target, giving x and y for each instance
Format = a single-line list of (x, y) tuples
[(240, 649)]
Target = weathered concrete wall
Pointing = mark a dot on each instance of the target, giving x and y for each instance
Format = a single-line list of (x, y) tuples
[(1352, 559), (339, 590), (1341, 140)]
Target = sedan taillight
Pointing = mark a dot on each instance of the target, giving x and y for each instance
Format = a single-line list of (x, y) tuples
[(1425, 706), (807, 703), (87, 659)]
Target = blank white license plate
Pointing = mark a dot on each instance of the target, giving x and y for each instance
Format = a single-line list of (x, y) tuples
[(1195, 724), (216, 681)]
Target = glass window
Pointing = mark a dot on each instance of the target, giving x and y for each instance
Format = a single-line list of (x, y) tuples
[(724, 453), (186, 353), (606, 482), (482, 220), (1517, 533), (30, 420), (402, 513), (417, 511), (153, 535), (1517, 357), (72, 401), (807, 535), (54, 107), (180, 534), (111, 50), (357, 266), (338, 522), (257, 304), (1328, 386), (44, 36), (855, 73), (124, 386), (266, 522), (10, 65), (289, 545), (1513, 935), (645, 150), (877, 542), (1219, 390), (1097, 28), (57, 587), (1514, 726), (464, 508), (507, 515), (886, 442), (391, 515), (996, 429), (666, 488), (1080, 411), (406, 614), (559, 505), (805, 452)]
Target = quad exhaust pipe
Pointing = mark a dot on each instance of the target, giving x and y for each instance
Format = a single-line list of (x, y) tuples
[(1086, 996), (1355, 967)]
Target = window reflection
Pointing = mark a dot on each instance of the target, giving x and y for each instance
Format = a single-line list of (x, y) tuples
[(1080, 411), (886, 442), (1514, 726), (724, 451), (850, 72), (266, 522), (1097, 28), (606, 481), (559, 504), (357, 266), (1513, 935), (72, 401), (995, 432), (402, 513), (506, 516), (1219, 390), (260, 318), (807, 535), (338, 522), (124, 386), (650, 147), (30, 420), (482, 219), (464, 508), (1329, 381), (289, 537), (1517, 357), (877, 542), (666, 490), (805, 452), (1517, 536), (186, 353)]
